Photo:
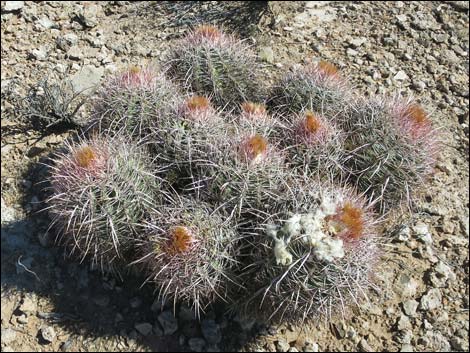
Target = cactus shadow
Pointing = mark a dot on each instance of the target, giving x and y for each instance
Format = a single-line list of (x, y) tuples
[(236, 16)]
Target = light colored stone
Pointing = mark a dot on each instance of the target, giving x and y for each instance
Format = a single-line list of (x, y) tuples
[(421, 231), (409, 307), (400, 76), (8, 335), (48, 333), (431, 300), (13, 5), (87, 78)]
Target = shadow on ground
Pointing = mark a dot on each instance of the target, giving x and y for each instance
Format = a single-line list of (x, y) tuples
[(240, 17)]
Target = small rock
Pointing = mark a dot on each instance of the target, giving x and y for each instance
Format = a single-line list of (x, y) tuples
[(400, 76), (168, 322), (211, 331), (431, 300), (351, 52), (48, 334), (457, 343), (311, 347), (11, 6), (357, 42), (102, 300), (135, 302), (8, 213), (293, 349), (75, 53), (404, 233), (266, 54), (419, 86), (28, 306), (364, 346), (403, 323), (440, 37), (441, 274), (88, 15), (22, 319), (282, 345), (196, 344), (422, 233), (409, 307), (66, 41), (144, 328), (407, 286), (8, 335), (88, 78), (406, 348), (47, 23), (39, 53), (401, 18)]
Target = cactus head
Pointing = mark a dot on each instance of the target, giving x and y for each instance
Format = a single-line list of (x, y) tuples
[(188, 253), (313, 145), (318, 87), (391, 148), (314, 252), (134, 100), (100, 191), (254, 148), (208, 61)]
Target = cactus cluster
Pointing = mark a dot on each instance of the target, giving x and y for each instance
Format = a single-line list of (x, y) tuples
[(213, 196)]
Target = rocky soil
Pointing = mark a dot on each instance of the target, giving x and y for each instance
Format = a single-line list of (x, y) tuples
[(49, 302)]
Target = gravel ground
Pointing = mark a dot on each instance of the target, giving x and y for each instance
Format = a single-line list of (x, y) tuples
[(49, 302)]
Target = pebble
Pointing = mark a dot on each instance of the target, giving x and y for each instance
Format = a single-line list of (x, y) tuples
[(422, 233), (102, 300), (144, 328), (211, 331), (66, 41), (8, 213), (407, 286), (28, 306), (431, 300), (364, 346), (400, 76), (409, 307), (311, 347), (282, 345), (403, 323), (135, 302), (13, 6), (48, 333), (196, 344), (8, 335), (87, 78), (168, 322), (459, 344), (357, 42), (441, 274), (47, 23), (406, 348), (39, 53), (351, 52)]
